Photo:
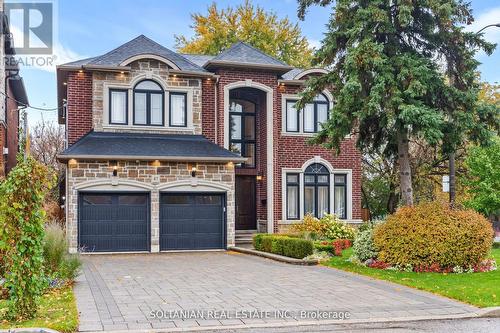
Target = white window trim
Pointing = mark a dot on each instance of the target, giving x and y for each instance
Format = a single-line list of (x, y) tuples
[(300, 133), (130, 111), (300, 171)]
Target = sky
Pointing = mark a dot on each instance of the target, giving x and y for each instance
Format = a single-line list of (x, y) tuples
[(85, 28)]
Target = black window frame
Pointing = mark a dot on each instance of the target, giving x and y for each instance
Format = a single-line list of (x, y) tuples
[(315, 114), (344, 185), (316, 185), (177, 93), (295, 184), (148, 103), (286, 116), (244, 141), (111, 105)]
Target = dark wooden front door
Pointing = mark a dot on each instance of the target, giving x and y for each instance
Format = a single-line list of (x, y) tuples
[(246, 215)]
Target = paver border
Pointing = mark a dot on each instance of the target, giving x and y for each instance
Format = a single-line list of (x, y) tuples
[(277, 257)]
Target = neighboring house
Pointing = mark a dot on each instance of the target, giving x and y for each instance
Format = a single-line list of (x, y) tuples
[(12, 98), (155, 145)]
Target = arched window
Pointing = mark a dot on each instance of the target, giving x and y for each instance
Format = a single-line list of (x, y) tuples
[(317, 190), (148, 104)]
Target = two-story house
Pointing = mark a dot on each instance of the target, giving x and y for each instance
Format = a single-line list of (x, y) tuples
[(169, 151)]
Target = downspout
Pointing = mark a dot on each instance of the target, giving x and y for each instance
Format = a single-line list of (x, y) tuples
[(6, 94)]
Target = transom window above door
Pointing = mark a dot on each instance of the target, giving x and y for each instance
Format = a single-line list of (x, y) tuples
[(242, 127), (310, 118)]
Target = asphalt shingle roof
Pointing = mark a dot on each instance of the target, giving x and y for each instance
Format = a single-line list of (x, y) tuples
[(241, 52), (199, 59), (137, 46), (291, 74), (148, 146)]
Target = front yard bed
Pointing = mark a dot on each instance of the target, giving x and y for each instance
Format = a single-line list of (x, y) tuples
[(57, 311), (479, 289)]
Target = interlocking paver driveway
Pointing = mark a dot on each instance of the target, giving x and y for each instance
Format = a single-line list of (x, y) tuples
[(119, 292)]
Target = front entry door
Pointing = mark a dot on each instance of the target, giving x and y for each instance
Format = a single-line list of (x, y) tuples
[(246, 215)]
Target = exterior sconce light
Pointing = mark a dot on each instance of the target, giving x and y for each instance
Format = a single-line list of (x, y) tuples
[(193, 171), (156, 163), (259, 178), (72, 163), (115, 171), (80, 71), (230, 165)]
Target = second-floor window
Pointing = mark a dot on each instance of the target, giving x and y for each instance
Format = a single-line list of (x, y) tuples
[(118, 108), (178, 109), (242, 130), (309, 119), (148, 104)]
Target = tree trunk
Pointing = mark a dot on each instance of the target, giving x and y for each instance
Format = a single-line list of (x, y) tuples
[(392, 201), (452, 179), (405, 168)]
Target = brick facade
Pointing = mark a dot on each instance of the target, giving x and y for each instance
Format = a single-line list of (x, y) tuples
[(144, 176), (79, 107), (87, 109)]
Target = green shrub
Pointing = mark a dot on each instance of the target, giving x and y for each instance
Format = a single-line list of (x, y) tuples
[(323, 246), (58, 263), (21, 234), (297, 248), (257, 241), (336, 229), (328, 227), (434, 234), (363, 246), (292, 247), (496, 245)]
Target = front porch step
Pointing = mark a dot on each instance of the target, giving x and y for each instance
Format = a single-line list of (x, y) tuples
[(244, 236)]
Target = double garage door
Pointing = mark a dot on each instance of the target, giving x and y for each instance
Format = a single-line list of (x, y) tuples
[(114, 222)]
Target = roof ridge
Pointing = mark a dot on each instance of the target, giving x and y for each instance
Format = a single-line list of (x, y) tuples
[(240, 42)]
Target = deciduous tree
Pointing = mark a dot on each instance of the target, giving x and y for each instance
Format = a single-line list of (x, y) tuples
[(217, 30)]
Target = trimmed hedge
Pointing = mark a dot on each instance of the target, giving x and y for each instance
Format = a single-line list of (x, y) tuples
[(432, 233), (283, 245)]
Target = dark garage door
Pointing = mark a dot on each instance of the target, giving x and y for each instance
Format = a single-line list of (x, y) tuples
[(192, 221), (112, 222)]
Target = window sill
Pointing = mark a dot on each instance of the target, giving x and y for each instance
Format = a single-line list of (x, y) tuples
[(350, 221), (149, 128), (298, 134)]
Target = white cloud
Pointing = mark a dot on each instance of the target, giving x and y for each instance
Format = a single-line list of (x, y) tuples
[(314, 43), (60, 55), (491, 16)]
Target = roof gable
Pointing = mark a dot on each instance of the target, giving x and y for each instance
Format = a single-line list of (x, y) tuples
[(140, 45), (244, 54)]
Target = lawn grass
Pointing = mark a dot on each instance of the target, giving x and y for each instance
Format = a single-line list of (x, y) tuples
[(480, 289), (57, 311)]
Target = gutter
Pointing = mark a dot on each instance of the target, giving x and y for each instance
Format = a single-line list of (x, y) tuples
[(64, 157), (292, 82), (248, 65)]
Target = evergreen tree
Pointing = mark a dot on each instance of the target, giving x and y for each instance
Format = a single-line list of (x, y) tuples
[(390, 62)]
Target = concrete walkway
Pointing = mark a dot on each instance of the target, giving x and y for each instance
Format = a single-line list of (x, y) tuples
[(189, 290)]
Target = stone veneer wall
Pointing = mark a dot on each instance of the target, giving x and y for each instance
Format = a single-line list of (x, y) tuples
[(152, 69), (143, 176)]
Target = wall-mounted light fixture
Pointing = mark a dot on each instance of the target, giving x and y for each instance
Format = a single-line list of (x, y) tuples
[(193, 171), (72, 163), (259, 178), (156, 163), (80, 71), (115, 171)]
